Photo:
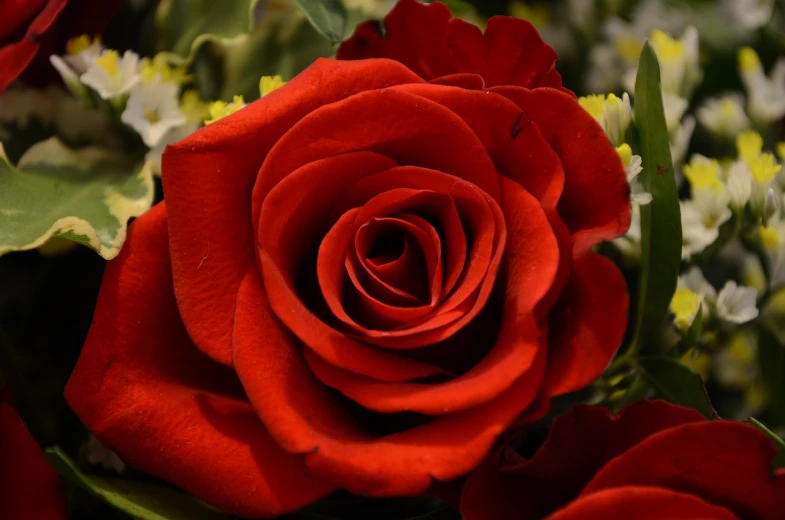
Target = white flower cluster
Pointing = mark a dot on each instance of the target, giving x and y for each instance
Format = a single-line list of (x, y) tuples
[(148, 93)]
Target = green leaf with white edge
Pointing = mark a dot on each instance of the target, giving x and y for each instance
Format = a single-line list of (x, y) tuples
[(779, 460), (676, 383), (180, 22), (327, 16), (771, 358), (140, 500), (85, 195), (661, 238)]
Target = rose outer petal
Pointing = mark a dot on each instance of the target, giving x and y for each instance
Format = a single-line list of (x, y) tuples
[(14, 57), (595, 203), (208, 178), (587, 324), (304, 418), (724, 462), (29, 487), (429, 42), (566, 462), (146, 392), (641, 503)]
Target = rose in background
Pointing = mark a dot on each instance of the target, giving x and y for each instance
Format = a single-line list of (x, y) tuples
[(653, 460), (360, 281), (29, 487), (32, 30)]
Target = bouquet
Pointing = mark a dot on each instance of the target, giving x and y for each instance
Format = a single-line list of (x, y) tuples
[(325, 259)]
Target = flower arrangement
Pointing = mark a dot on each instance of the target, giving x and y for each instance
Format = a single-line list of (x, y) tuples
[(392, 259)]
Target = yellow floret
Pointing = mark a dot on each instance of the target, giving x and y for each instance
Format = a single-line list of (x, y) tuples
[(625, 153), (703, 174), (110, 62), (769, 236), (593, 104), (764, 168), (667, 48), (748, 59), (749, 145), (684, 305), (79, 44), (220, 109), (269, 83)]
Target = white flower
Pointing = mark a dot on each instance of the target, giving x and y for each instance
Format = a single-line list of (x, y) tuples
[(701, 218), (680, 139), (739, 184), (724, 116), (674, 106), (632, 167), (611, 112), (750, 14), (98, 454), (693, 280), (765, 95), (737, 304), (152, 110), (81, 53), (172, 136), (112, 76), (679, 69)]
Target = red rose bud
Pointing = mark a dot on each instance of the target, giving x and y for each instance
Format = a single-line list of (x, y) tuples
[(360, 281), (654, 460)]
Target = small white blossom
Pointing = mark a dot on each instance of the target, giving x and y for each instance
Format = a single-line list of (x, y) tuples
[(674, 106), (750, 14), (765, 95), (739, 184), (153, 110), (98, 454), (737, 304), (112, 76), (724, 116), (633, 165), (701, 218), (680, 139), (694, 280), (81, 53)]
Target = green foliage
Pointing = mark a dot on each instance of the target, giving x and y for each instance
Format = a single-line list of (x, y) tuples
[(327, 16), (142, 501), (779, 460), (676, 383), (85, 195), (660, 219)]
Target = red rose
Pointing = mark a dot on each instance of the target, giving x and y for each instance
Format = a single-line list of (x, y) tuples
[(29, 487), (654, 460), (359, 281), (31, 30)]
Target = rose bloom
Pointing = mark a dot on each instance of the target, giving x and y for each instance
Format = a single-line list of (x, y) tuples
[(652, 461), (29, 487), (31, 30), (361, 280)]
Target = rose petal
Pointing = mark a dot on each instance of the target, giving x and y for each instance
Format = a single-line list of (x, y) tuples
[(641, 503), (146, 392), (208, 176), (587, 323), (14, 57), (429, 42), (519, 152), (14, 14), (727, 463), (567, 460), (595, 204), (531, 262), (29, 487), (304, 418)]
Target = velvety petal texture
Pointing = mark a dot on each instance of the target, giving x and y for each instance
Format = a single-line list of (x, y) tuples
[(363, 279), (440, 48), (652, 459), (29, 487)]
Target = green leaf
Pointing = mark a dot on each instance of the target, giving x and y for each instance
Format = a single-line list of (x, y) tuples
[(84, 195), (180, 22), (327, 16), (676, 383), (143, 501), (660, 219), (779, 460), (771, 356)]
